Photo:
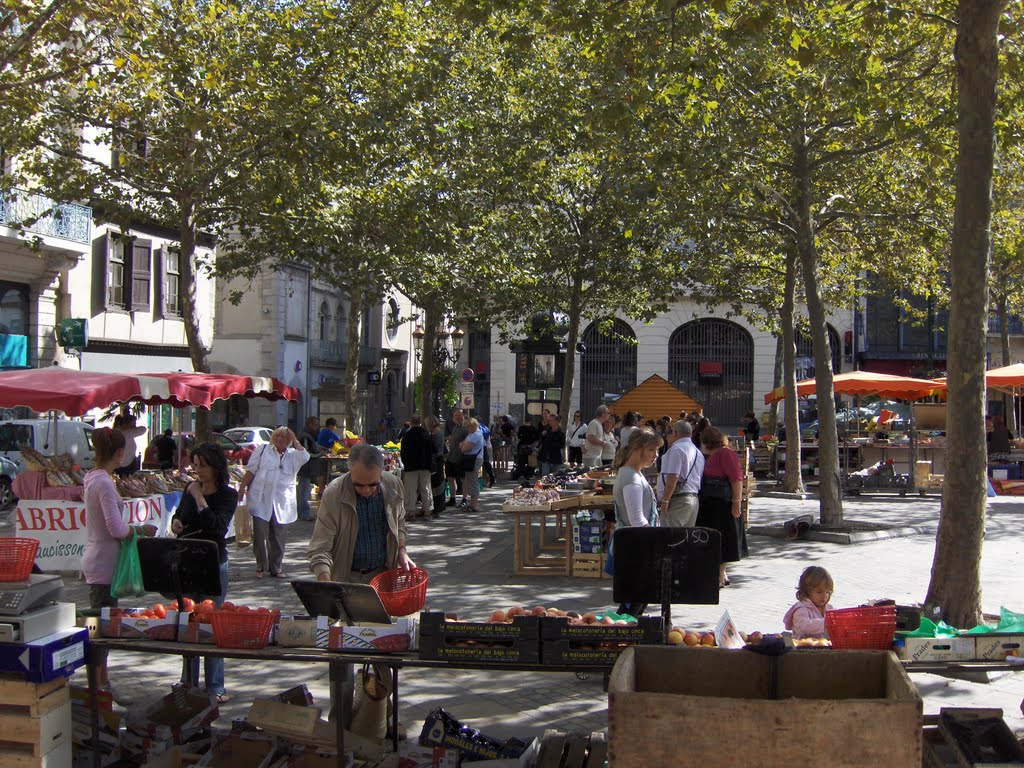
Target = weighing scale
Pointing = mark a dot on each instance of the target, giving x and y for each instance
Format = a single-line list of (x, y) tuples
[(17, 597), (351, 603), (37, 622)]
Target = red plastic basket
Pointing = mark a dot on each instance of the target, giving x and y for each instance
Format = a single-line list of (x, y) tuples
[(402, 592), (241, 629), (868, 628), (16, 558)]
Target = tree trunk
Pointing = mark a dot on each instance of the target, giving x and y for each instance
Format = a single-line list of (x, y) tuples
[(570, 353), (189, 311), (955, 586), (793, 481), (350, 381), (829, 480), (1009, 406), (432, 316), (773, 409)]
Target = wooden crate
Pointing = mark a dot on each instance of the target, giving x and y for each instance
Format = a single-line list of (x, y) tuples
[(35, 722), (559, 749), (851, 708), (588, 566)]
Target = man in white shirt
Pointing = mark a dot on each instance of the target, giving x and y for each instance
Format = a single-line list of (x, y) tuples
[(679, 481), (596, 441)]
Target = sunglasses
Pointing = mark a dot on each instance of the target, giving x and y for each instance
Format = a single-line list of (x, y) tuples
[(366, 485)]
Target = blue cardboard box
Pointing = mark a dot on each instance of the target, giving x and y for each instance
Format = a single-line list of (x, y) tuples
[(48, 657)]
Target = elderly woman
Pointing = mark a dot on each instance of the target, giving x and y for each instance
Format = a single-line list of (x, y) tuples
[(270, 474), (720, 497), (472, 451), (635, 506)]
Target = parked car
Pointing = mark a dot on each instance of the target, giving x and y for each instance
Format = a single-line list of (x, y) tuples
[(250, 437), (49, 437), (185, 442), (8, 471)]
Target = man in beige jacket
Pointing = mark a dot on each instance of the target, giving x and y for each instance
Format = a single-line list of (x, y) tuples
[(360, 526)]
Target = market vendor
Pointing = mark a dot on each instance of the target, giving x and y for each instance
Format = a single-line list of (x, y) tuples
[(360, 527)]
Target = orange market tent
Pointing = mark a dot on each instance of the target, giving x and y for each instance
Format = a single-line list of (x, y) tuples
[(865, 383), (654, 398), (1009, 379)]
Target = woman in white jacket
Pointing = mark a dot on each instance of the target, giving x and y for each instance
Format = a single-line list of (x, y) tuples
[(577, 436), (269, 489)]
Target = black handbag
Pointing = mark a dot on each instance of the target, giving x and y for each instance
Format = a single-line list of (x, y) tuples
[(715, 488), (468, 462)]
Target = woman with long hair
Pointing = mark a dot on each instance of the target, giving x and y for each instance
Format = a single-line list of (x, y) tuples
[(205, 513), (635, 506), (105, 526)]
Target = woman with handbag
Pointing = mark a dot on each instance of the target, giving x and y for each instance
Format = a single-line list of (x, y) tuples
[(720, 497), (205, 512), (105, 527), (271, 474), (472, 460)]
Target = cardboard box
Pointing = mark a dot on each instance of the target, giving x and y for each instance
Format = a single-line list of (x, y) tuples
[(127, 622), (997, 646), (845, 708), (309, 758), (302, 632), (47, 658), (176, 757), (934, 648), (240, 749), (411, 755), (175, 717), (380, 638)]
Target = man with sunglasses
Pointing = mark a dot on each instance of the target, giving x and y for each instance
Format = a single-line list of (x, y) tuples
[(360, 527)]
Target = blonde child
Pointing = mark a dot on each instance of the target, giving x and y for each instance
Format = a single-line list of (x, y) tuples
[(807, 616)]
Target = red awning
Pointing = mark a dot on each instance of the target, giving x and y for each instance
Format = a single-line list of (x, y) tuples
[(864, 383), (76, 392)]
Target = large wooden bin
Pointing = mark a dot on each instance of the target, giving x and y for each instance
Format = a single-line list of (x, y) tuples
[(708, 707)]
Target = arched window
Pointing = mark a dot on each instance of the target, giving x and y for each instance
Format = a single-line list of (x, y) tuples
[(712, 361), (324, 322), (393, 320), (607, 364), (805, 354)]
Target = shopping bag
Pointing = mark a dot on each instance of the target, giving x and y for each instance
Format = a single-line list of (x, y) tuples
[(370, 703), (127, 581), (243, 526)]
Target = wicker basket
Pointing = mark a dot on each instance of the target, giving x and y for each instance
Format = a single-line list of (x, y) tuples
[(402, 592), (867, 628), (242, 629), (16, 558)]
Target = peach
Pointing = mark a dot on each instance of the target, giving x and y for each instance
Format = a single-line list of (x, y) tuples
[(607, 620), (589, 618), (707, 639), (691, 638), (539, 610), (675, 637), (515, 611), (498, 617)]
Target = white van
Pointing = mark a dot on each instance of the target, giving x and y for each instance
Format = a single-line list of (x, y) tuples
[(72, 437)]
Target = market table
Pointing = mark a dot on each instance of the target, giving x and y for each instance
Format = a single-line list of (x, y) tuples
[(340, 671), (554, 543)]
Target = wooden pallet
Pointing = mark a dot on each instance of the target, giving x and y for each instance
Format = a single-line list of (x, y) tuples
[(559, 749), (35, 722)]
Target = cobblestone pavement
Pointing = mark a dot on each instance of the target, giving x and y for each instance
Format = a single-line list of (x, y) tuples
[(469, 556)]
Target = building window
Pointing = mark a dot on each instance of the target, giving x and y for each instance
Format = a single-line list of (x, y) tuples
[(116, 273), (323, 322), (172, 282), (141, 274)]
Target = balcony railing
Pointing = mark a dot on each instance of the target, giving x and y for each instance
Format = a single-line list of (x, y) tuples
[(43, 216), (1014, 323), (336, 353)]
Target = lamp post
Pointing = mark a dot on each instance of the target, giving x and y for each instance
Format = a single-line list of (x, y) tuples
[(443, 350)]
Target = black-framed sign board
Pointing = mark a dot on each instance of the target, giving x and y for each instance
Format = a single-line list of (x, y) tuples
[(351, 603), (175, 567), (694, 556)]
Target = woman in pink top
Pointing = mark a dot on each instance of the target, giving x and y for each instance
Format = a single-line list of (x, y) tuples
[(720, 496), (104, 523)]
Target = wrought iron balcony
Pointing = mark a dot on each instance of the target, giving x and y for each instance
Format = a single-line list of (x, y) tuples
[(43, 216), (1014, 323), (335, 353)]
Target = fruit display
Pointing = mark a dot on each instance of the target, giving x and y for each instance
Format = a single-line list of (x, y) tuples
[(514, 639), (532, 497), (691, 639)]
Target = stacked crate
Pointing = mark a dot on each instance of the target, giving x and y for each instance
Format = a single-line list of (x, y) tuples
[(588, 548), (35, 723)]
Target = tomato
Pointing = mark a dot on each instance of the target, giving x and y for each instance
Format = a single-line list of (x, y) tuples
[(147, 615), (208, 604), (188, 604), (262, 609), (173, 606), (243, 609), (160, 611), (276, 613), (227, 605)]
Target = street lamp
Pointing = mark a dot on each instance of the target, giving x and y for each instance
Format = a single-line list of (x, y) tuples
[(447, 349)]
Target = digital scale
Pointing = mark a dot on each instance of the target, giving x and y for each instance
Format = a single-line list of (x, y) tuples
[(37, 622), (17, 597)]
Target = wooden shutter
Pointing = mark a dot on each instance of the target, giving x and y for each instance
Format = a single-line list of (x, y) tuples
[(99, 274), (160, 282), (140, 274)]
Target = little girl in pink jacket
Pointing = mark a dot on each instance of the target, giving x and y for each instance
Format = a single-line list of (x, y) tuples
[(806, 618)]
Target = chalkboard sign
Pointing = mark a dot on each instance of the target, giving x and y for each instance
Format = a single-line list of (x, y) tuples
[(189, 567), (695, 555)]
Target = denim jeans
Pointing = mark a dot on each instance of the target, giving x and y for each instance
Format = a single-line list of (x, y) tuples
[(302, 488), (213, 669)]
